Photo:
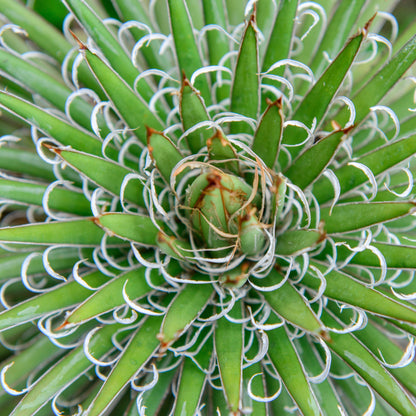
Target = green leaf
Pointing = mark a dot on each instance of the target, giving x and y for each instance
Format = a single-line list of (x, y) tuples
[(110, 295), (61, 130), (295, 242), (164, 153), (378, 161), (317, 101), (268, 136), (372, 93), (246, 82), (396, 256), (356, 216), (191, 387), (138, 351), (282, 35), (68, 369), (193, 111), (42, 83), (287, 363), (229, 349), (287, 302), (132, 227), (123, 97), (186, 47), (104, 173), (310, 164), (59, 298), (11, 263), (181, 312), (366, 365), (60, 199), (344, 288), (257, 388), (69, 233)]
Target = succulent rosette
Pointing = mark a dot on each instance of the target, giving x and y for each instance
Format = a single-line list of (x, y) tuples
[(207, 208)]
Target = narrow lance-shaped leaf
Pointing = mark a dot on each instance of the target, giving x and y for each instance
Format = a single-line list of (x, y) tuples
[(193, 111), (383, 81), (356, 216), (377, 161), (229, 350), (106, 174), (312, 162), (287, 302), (126, 102), (164, 154), (317, 101), (138, 228), (366, 365), (296, 241), (220, 148), (186, 47), (60, 298), (62, 131), (181, 312), (344, 288), (287, 363), (139, 350), (65, 371), (60, 199), (246, 79), (269, 133), (70, 233)]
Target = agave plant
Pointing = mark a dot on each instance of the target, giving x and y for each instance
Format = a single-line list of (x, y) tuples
[(207, 208)]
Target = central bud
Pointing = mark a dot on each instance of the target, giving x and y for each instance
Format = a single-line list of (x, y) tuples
[(223, 211)]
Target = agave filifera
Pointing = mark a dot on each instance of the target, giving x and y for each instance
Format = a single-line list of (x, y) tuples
[(215, 218)]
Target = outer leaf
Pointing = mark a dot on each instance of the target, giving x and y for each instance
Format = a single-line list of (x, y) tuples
[(130, 227), (139, 350), (30, 193), (383, 81), (69, 233), (282, 35), (268, 136), (344, 288), (298, 241), (66, 133), (396, 256), (182, 312), (164, 154), (186, 48), (42, 83), (193, 111), (123, 98), (246, 79), (287, 363), (355, 216), (312, 162), (229, 349), (110, 295), (378, 161), (316, 102), (65, 371), (365, 364), (106, 174), (60, 298), (287, 302)]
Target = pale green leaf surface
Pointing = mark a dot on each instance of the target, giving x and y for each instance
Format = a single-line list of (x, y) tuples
[(355, 216), (288, 303), (139, 350), (60, 298), (287, 363), (297, 241), (69, 368), (366, 365), (229, 350), (69, 233)]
